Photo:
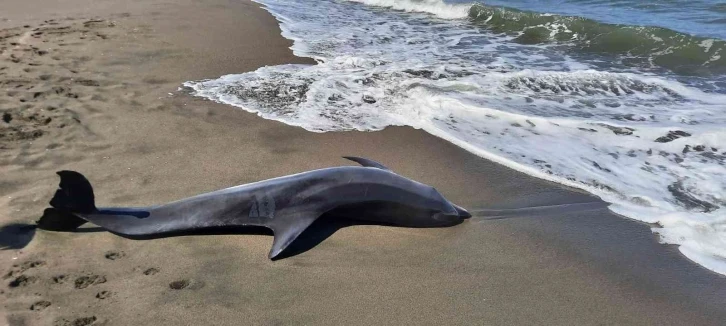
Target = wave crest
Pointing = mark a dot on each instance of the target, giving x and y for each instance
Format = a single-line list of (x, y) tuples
[(435, 7), (679, 52)]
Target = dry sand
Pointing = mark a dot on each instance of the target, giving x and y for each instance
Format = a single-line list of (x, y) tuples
[(92, 86)]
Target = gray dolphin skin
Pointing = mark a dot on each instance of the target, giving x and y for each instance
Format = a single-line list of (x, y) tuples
[(286, 205)]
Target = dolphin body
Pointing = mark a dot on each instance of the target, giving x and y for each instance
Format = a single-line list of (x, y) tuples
[(286, 205)]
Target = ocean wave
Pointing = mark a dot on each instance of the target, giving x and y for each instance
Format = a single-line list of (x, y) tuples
[(679, 52)]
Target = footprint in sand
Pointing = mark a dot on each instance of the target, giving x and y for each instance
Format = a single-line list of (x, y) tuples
[(19, 269), (180, 284), (22, 281), (59, 279), (87, 82), (83, 321), (103, 295), (40, 305), (86, 281), (28, 122), (24, 53), (186, 284), (151, 271), (113, 255)]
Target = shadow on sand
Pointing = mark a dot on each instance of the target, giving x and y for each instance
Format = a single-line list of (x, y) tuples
[(316, 233), (16, 235)]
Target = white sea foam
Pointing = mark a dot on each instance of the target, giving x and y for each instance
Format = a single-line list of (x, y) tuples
[(652, 146), (436, 7)]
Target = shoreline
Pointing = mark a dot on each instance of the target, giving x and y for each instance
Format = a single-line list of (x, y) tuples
[(139, 145)]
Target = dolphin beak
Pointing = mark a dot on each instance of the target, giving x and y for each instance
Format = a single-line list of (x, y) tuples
[(463, 213)]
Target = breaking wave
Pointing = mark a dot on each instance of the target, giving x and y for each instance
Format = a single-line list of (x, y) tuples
[(635, 45)]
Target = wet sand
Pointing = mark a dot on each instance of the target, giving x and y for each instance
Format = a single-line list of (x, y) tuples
[(95, 90)]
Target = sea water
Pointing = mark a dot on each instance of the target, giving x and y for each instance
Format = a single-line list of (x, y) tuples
[(625, 99)]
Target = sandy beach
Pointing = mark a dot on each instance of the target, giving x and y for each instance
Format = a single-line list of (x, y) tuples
[(93, 86)]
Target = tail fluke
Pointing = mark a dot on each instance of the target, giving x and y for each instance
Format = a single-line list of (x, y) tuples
[(74, 194), (58, 220)]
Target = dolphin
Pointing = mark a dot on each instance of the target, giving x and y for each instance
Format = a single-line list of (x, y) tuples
[(287, 205)]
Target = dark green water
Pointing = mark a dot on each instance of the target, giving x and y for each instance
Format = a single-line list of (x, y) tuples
[(630, 32)]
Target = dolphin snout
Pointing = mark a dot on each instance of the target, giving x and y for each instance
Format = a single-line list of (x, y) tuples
[(463, 213), (452, 216), (445, 219)]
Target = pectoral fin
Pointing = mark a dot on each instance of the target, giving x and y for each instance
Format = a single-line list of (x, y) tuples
[(287, 229)]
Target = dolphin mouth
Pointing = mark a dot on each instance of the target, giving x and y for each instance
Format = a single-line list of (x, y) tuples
[(463, 213), (452, 217)]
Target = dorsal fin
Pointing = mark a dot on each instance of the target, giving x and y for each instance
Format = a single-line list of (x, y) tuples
[(367, 163)]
